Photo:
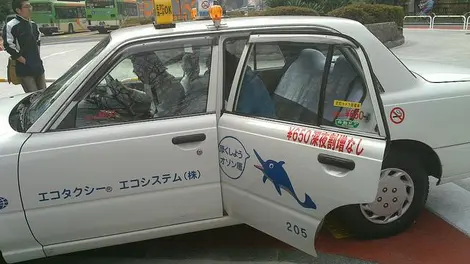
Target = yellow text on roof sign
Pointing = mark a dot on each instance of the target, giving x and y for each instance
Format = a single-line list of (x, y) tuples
[(163, 11), (347, 104)]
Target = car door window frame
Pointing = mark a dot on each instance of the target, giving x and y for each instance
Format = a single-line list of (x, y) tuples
[(335, 40), (121, 53)]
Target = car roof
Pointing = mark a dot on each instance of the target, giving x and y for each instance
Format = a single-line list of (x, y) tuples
[(234, 24)]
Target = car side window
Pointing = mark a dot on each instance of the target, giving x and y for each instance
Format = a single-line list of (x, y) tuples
[(347, 102), (265, 57), (149, 85), (291, 94), (233, 49)]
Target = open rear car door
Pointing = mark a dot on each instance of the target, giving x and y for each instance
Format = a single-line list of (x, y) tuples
[(283, 175)]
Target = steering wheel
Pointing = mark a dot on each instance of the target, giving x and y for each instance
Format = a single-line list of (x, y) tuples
[(111, 84)]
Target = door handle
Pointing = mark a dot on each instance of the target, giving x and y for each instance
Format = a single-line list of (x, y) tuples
[(189, 138), (337, 162)]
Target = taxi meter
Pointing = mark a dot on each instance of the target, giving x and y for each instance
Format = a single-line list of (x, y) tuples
[(163, 14)]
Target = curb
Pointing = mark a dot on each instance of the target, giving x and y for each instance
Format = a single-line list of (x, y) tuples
[(395, 43), (4, 80)]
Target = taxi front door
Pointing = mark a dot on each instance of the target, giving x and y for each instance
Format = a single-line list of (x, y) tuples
[(274, 176)]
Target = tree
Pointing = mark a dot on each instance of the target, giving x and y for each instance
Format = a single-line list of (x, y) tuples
[(5, 9)]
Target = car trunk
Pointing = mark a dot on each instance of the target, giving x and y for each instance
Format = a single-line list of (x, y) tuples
[(438, 73)]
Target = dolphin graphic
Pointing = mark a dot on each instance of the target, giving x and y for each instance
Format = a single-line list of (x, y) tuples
[(274, 171)]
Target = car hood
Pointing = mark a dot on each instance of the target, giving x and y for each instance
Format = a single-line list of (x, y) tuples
[(6, 105), (437, 72)]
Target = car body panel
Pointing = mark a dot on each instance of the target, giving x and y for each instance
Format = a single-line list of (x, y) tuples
[(119, 179), (277, 214), (439, 109), (438, 72), (16, 241)]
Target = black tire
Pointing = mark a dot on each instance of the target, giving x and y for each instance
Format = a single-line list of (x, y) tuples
[(362, 228), (102, 31), (71, 30)]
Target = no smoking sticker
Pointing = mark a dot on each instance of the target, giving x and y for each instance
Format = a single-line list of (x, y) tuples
[(397, 115), (205, 5)]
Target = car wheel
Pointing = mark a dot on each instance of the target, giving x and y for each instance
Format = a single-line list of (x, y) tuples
[(402, 194)]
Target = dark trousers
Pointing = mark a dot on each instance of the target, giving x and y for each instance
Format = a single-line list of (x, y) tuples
[(33, 83)]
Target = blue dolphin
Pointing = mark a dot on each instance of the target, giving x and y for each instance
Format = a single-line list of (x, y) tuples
[(274, 171)]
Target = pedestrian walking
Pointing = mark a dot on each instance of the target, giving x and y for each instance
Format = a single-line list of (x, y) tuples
[(22, 39)]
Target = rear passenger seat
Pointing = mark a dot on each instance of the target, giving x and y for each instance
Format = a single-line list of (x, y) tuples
[(345, 84), (299, 88)]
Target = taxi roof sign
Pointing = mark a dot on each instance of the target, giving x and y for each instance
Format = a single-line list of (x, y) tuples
[(216, 12), (163, 14)]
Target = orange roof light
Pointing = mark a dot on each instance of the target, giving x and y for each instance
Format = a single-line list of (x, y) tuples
[(193, 13), (215, 11)]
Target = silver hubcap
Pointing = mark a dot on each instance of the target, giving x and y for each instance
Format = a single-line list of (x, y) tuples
[(394, 197)]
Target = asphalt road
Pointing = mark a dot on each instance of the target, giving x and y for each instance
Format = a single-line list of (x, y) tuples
[(436, 46)]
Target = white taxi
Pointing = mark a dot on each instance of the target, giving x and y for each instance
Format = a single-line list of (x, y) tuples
[(270, 121)]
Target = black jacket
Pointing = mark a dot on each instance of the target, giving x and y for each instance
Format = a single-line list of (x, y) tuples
[(22, 38)]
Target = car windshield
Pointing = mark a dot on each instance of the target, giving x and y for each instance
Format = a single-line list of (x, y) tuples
[(43, 99)]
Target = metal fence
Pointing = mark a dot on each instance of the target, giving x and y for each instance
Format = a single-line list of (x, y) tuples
[(441, 9), (445, 14), (462, 20)]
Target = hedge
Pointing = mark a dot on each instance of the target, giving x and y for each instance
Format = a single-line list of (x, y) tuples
[(289, 11), (371, 13), (278, 11), (130, 22)]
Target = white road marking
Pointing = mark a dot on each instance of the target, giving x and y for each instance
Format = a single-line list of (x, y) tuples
[(57, 53), (451, 202)]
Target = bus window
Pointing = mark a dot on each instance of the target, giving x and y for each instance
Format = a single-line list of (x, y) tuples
[(41, 7), (66, 12), (81, 12), (130, 9), (100, 3), (127, 9)]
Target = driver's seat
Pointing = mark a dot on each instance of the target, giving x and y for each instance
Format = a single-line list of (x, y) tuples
[(196, 89)]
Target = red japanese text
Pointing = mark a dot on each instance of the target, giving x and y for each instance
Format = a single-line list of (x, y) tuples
[(326, 140), (352, 113)]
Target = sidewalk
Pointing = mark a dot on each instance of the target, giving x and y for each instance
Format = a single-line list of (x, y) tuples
[(8, 89)]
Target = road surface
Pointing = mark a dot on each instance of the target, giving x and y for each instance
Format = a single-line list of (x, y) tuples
[(72, 38)]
